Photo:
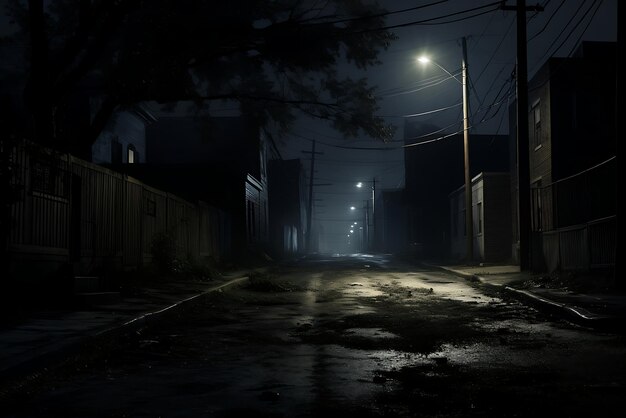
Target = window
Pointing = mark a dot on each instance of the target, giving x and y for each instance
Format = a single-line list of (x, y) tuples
[(251, 219), (536, 114), (132, 155), (150, 207)]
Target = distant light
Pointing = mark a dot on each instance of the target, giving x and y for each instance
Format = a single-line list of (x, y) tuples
[(352, 208), (423, 59), (352, 231), (348, 235), (359, 184)]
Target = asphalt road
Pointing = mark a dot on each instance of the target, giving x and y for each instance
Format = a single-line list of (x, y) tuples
[(341, 336)]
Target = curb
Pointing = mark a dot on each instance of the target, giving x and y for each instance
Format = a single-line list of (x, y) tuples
[(572, 313), (15, 377), (147, 317)]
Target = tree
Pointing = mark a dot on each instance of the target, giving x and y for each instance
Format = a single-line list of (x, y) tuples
[(276, 58)]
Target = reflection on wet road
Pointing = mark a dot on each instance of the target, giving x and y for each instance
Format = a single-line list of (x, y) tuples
[(356, 335)]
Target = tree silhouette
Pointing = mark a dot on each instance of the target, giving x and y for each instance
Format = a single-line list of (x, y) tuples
[(275, 58)]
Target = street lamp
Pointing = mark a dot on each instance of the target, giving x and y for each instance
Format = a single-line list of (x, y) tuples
[(469, 225)]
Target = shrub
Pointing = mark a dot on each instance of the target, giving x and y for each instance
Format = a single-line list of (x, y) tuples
[(163, 250)]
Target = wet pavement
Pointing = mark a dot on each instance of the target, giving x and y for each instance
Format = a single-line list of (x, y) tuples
[(358, 336), (590, 305)]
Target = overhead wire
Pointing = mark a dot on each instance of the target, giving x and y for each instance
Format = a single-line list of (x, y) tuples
[(575, 45), (547, 51), (431, 21), (432, 84), (419, 83), (548, 22), (376, 15), (557, 69), (450, 134)]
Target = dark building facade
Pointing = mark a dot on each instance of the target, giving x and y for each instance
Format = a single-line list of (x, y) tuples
[(571, 149), (392, 216), (491, 210), (287, 207), (220, 161), (432, 171)]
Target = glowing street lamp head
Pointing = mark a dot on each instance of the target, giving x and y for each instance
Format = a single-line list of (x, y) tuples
[(423, 59), (352, 208), (359, 184)]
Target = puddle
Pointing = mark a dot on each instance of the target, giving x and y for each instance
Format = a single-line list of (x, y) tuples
[(360, 290), (372, 333)]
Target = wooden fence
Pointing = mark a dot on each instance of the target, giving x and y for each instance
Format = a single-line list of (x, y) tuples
[(67, 210)]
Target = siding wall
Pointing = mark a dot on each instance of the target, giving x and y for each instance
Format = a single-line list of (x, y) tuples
[(497, 217), (491, 190)]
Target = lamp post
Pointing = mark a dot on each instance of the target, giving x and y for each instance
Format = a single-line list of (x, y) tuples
[(469, 222), (359, 185)]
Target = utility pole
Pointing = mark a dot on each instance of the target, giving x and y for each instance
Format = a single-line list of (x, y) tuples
[(373, 213), (620, 91), (523, 162), (469, 218), (309, 235), (366, 224)]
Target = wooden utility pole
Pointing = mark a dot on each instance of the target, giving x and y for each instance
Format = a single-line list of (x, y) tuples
[(523, 162), (373, 213), (469, 218), (620, 93), (309, 235), (366, 224)]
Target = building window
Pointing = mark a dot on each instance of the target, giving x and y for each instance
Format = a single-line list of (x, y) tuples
[(132, 155), (479, 213), (536, 117), (251, 219), (150, 207)]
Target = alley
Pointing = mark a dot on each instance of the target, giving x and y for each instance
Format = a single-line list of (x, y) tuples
[(343, 335)]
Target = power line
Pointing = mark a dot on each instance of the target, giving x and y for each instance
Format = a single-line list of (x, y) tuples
[(450, 134), (420, 88), (432, 111), (372, 16), (585, 29), (430, 21), (547, 52), (548, 22), (496, 50)]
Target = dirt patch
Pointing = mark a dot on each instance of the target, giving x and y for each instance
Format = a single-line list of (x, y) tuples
[(422, 328), (580, 282), (264, 282)]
